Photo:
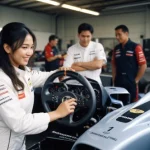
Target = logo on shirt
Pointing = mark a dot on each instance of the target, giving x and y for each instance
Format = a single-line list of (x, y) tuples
[(77, 56), (21, 94), (92, 53), (129, 53), (117, 53), (30, 84)]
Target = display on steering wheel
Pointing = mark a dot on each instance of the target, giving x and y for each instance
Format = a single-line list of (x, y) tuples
[(53, 93)]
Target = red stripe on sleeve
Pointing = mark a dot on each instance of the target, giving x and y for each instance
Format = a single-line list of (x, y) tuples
[(113, 57), (140, 55)]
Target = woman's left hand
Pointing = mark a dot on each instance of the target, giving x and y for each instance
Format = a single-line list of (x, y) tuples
[(66, 69)]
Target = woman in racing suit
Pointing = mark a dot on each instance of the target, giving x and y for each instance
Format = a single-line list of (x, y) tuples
[(17, 44)]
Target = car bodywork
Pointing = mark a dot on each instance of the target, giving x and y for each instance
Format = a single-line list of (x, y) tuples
[(127, 128)]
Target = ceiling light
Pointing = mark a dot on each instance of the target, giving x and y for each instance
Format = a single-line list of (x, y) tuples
[(0, 29), (90, 12), (49, 2), (71, 7), (127, 5), (80, 9)]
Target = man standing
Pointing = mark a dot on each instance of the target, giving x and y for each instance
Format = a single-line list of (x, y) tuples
[(86, 57), (52, 56), (128, 63)]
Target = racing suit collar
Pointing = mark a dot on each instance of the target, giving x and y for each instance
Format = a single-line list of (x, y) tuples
[(20, 72), (84, 48), (127, 44)]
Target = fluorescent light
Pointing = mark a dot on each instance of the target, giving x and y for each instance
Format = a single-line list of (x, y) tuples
[(80, 9), (90, 12), (71, 7), (0, 29), (127, 5), (49, 2)]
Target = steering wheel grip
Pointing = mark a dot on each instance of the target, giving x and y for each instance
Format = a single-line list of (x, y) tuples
[(85, 83)]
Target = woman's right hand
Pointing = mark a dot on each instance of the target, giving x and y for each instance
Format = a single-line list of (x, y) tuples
[(65, 108)]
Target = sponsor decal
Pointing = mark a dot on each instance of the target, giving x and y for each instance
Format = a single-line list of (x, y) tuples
[(133, 113), (130, 52), (104, 136), (6, 101), (141, 55), (128, 118), (30, 84), (4, 92), (21, 94), (92, 52), (1, 85), (118, 55), (118, 52), (143, 60), (77, 57), (4, 98), (3, 88), (127, 54), (108, 131), (137, 111), (76, 54), (64, 136)]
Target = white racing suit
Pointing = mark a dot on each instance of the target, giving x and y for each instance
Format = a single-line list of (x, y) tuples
[(16, 119)]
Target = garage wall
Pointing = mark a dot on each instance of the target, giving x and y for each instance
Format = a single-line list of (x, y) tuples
[(41, 24), (147, 23), (138, 22)]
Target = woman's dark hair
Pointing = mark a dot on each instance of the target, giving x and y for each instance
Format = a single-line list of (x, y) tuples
[(85, 27), (14, 35)]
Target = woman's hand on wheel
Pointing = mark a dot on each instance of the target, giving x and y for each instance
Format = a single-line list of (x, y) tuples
[(65, 108)]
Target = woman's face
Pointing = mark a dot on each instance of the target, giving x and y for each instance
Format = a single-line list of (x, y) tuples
[(22, 55)]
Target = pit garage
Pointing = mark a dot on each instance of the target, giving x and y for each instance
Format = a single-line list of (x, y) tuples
[(102, 119)]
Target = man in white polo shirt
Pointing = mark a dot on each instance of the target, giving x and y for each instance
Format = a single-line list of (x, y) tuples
[(86, 57)]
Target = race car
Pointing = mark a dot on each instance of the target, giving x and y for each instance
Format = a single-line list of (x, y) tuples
[(127, 128), (93, 103)]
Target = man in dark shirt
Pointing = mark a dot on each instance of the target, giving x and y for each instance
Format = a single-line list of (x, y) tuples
[(52, 56), (128, 63)]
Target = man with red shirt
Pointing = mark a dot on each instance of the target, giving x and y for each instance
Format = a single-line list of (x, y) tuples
[(52, 56), (128, 63)]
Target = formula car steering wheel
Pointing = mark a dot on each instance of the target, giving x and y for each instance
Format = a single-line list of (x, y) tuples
[(55, 97)]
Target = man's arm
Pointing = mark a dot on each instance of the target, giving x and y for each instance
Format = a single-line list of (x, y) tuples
[(52, 58), (113, 73), (77, 68), (68, 60), (97, 63), (141, 62), (140, 73), (49, 55), (113, 67), (92, 65)]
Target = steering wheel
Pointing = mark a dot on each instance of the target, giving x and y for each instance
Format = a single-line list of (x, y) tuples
[(55, 97)]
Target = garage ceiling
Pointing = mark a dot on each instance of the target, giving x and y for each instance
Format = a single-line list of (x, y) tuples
[(95, 5)]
